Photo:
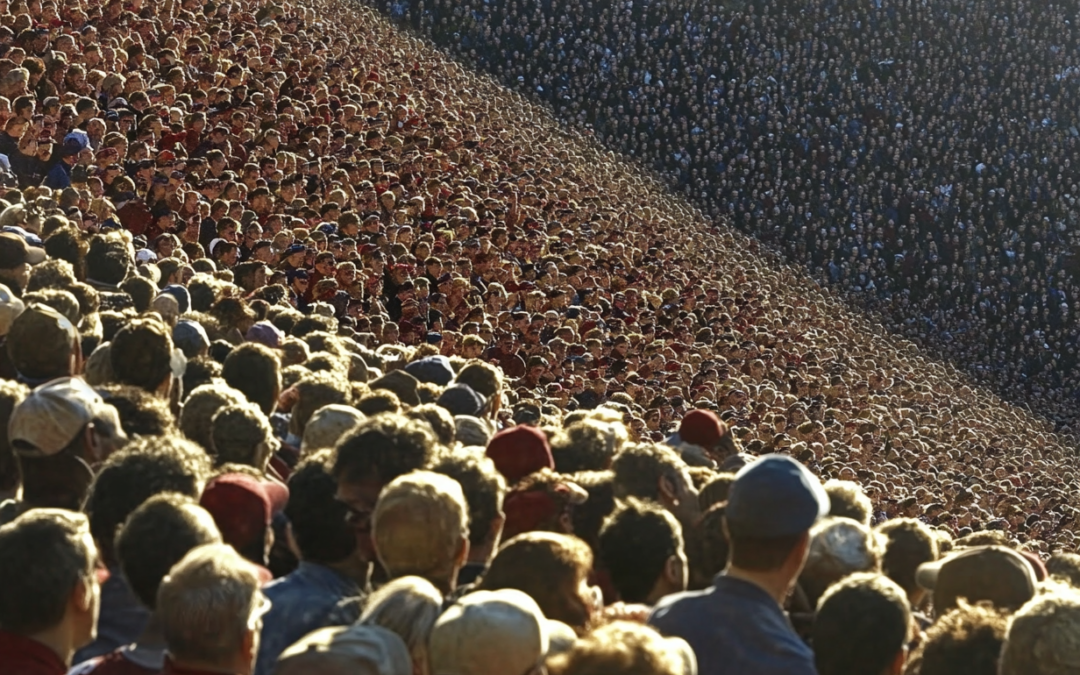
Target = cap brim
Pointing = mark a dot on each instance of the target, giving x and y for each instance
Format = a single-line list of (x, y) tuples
[(35, 255)]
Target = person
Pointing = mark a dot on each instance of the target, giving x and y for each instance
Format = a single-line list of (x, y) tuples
[(863, 624), (657, 473), (52, 608), (909, 543), (326, 587), (485, 491), (408, 606), (995, 574), (1037, 641), (966, 640), (625, 648), (210, 609), (738, 625), (420, 527), (244, 507), (490, 633), (156, 536), (641, 549), (342, 650)]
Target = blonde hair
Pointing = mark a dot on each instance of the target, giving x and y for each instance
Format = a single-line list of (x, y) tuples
[(419, 524), (624, 648), (205, 604), (409, 607)]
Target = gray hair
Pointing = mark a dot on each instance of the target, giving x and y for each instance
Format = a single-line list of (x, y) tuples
[(408, 606), (206, 603)]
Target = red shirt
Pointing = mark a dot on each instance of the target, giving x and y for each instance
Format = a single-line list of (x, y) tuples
[(114, 663), (20, 655)]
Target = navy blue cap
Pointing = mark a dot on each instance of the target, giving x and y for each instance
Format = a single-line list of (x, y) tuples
[(435, 369), (775, 496), (461, 399)]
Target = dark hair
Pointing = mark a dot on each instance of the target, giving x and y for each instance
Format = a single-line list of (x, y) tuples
[(156, 536), (861, 625), (314, 391), (199, 371), (909, 543), (141, 353), (707, 547), (762, 554), (965, 641), (141, 413), (143, 468), (379, 401), (108, 260), (484, 488), (639, 468), (583, 446), (715, 490), (438, 418), (317, 518), (254, 371), (44, 554), (636, 543), (141, 290), (589, 517), (383, 447)]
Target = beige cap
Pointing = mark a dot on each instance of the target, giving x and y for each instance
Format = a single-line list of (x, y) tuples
[(48, 420), (327, 425), (489, 633)]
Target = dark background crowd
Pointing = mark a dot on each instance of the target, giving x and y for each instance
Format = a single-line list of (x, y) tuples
[(322, 353), (918, 157)]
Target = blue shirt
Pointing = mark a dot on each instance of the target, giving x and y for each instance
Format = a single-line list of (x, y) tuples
[(734, 628), (307, 599), (121, 621)]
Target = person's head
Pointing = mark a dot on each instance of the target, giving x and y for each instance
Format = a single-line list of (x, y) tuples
[(196, 417), (490, 633), (408, 606), (210, 609), (966, 640), (838, 547), (241, 434), (553, 569), (145, 468), (141, 355), (862, 626), (641, 548), (485, 490), (657, 473), (347, 650), (420, 527), (520, 451), (49, 560), (1041, 636), (847, 500), (156, 536), (243, 507), (316, 519), (995, 574), (624, 648), (43, 344), (375, 452), (908, 544), (327, 425), (254, 371), (772, 504)]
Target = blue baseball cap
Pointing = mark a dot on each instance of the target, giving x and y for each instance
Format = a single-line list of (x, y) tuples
[(435, 369), (775, 496)]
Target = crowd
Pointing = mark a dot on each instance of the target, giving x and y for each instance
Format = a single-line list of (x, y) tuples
[(323, 354), (916, 156)]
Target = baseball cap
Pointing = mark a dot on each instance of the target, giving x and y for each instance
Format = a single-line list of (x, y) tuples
[(366, 649), (775, 496), (190, 337), (243, 506), (10, 307), (994, 573), (435, 369), (40, 342), (519, 451), (401, 383), (265, 333), (500, 631), (50, 418), (14, 252), (702, 427), (461, 399), (327, 425)]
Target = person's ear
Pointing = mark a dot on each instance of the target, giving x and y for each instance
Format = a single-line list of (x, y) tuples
[(463, 552), (496, 529), (668, 493), (674, 571)]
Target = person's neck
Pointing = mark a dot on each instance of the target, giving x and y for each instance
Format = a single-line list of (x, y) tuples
[(483, 553), (774, 582), (350, 568), (59, 639)]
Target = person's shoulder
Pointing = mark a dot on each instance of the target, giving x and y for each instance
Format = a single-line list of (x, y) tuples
[(677, 605)]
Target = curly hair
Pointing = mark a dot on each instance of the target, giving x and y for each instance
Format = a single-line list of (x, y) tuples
[(384, 447)]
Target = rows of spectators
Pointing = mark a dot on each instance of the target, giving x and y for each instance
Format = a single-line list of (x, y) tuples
[(915, 156), (323, 354)]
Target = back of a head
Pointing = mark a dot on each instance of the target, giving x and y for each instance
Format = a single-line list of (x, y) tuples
[(141, 354), (639, 468), (489, 633), (383, 447), (317, 519), (637, 544), (44, 554), (965, 641), (42, 343), (838, 547), (254, 371), (908, 544), (409, 607), (549, 567), (241, 434), (156, 536), (207, 604), (624, 648), (847, 500), (420, 526), (484, 487), (327, 425), (484, 378), (201, 405), (862, 626), (347, 650), (1041, 639)]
